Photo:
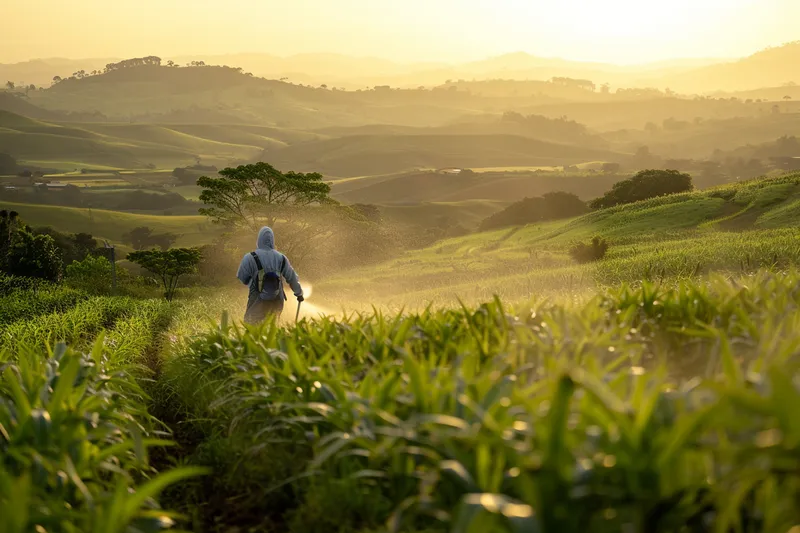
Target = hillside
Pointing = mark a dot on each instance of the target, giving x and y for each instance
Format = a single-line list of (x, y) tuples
[(153, 92), (635, 113), (225, 95), (360, 155), (726, 228), (767, 68), (557, 130), (111, 225), (11, 103), (374, 150), (689, 139), (426, 186), (117, 146)]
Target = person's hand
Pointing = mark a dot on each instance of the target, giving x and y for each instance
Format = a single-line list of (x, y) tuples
[(300, 299)]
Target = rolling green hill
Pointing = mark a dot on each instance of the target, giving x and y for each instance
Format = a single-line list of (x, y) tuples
[(360, 155), (111, 225), (150, 92), (549, 130), (113, 145), (733, 227), (20, 106), (501, 186)]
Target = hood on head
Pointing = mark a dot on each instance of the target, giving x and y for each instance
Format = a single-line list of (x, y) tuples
[(266, 239)]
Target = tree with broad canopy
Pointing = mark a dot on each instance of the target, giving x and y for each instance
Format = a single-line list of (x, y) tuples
[(168, 265), (251, 196), (257, 194)]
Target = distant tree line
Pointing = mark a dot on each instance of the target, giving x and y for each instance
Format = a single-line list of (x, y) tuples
[(143, 238), (188, 175), (134, 62), (548, 127), (587, 85), (745, 162)]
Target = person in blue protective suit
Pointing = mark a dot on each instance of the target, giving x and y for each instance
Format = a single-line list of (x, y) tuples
[(263, 271)]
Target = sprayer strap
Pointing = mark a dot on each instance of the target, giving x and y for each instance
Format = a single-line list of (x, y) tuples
[(261, 267), (258, 261)]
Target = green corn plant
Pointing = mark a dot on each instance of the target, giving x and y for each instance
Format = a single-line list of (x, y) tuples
[(649, 408), (75, 429)]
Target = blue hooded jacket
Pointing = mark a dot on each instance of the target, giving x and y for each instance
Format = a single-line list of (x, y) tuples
[(271, 260)]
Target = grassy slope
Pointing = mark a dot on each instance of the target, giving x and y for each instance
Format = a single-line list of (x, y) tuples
[(119, 145), (193, 230), (736, 227), (496, 186)]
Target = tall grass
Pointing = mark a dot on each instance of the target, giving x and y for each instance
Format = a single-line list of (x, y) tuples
[(650, 408), (75, 326), (26, 304)]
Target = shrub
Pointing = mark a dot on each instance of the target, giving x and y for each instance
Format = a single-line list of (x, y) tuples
[(645, 184), (93, 274), (35, 257), (593, 251)]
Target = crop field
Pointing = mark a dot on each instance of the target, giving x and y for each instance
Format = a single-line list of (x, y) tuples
[(661, 407), (485, 384)]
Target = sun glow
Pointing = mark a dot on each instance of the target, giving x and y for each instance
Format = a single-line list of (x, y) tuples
[(621, 31)]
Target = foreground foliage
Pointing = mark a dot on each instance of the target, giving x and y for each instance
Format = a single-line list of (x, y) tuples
[(486, 420), (75, 432)]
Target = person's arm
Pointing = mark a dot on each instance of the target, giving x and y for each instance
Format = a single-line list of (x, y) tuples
[(291, 278), (245, 273)]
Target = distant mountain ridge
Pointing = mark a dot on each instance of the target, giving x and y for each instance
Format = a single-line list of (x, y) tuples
[(772, 66)]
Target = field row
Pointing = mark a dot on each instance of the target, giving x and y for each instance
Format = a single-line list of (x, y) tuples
[(74, 423), (539, 418)]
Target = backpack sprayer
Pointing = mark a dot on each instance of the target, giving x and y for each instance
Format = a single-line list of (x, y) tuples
[(270, 285)]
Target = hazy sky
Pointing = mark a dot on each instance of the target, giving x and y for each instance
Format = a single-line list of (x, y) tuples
[(622, 31)]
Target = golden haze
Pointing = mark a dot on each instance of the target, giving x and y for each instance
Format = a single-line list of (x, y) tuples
[(617, 31)]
